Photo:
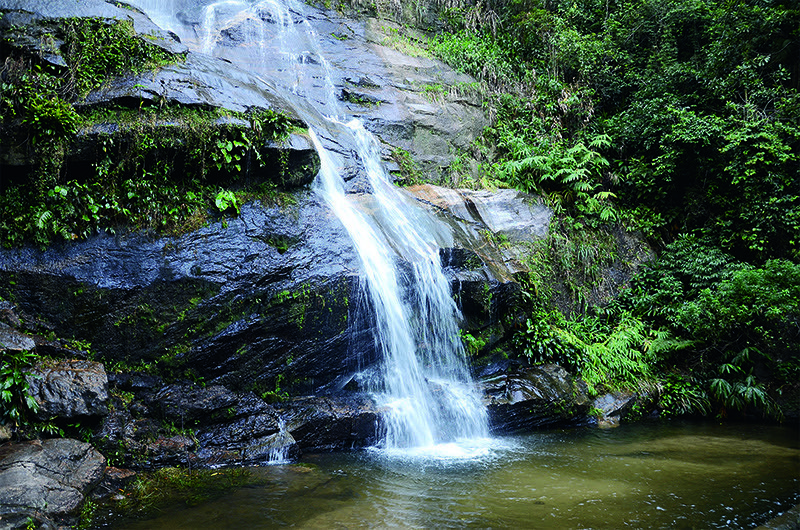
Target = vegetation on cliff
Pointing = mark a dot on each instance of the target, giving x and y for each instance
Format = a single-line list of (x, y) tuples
[(74, 169), (679, 119)]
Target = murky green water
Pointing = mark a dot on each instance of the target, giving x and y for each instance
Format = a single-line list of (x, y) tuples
[(651, 475)]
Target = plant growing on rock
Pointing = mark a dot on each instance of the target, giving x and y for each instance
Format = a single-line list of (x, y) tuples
[(16, 403)]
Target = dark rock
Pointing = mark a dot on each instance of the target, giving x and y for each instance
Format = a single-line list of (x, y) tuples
[(167, 451), (69, 389), (533, 397), (134, 381), (198, 426), (114, 479), (11, 339), (47, 478), (267, 296), (8, 315), (247, 448), (613, 407), (192, 404), (331, 423)]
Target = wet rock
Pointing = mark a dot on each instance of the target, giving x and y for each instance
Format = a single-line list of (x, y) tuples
[(47, 479), (167, 451), (199, 81), (198, 426), (8, 315), (26, 22), (114, 479), (266, 296), (613, 407), (13, 340), (525, 398), (331, 423), (193, 404), (69, 389)]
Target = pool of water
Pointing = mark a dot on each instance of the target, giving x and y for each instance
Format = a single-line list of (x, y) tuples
[(666, 474)]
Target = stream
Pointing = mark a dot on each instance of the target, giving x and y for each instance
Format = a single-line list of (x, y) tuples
[(659, 474)]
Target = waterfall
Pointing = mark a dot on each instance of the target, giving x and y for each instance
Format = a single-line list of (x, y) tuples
[(424, 384)]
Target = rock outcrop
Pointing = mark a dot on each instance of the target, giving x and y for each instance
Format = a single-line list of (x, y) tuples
[(521, 399), (69, 389), (46, 480)]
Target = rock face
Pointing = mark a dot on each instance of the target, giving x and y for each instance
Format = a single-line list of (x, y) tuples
[(47, 479), (265, 296), (69, 389), (521, 399), (188, 424), (193, 81)]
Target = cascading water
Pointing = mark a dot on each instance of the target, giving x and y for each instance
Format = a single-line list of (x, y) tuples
[(424, 382)]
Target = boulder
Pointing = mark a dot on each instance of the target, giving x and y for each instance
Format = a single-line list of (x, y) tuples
[(47, 478), (520, 398), (69, 389), (331, 423)]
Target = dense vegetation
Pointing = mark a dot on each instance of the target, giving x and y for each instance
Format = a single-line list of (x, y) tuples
[(680, 119)]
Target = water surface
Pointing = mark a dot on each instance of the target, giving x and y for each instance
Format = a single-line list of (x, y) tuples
[(650, 475)]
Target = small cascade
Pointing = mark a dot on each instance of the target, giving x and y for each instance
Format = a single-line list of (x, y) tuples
[(425, 385)]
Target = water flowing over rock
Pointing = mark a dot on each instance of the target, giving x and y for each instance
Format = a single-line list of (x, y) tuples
[(275, 302)]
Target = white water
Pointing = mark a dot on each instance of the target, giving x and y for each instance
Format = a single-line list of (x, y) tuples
[(434, 407)]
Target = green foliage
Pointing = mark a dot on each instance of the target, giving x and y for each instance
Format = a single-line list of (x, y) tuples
[(682, 395), (473, 345), (226, 200), (151, 176), (98, 49), (16, 404), (408, 170), (606, 356), (738, 321), (696, 105)]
